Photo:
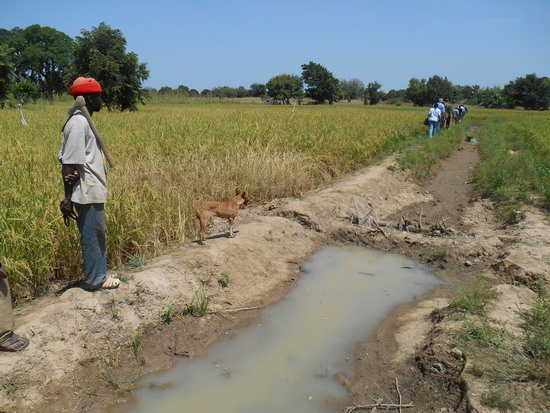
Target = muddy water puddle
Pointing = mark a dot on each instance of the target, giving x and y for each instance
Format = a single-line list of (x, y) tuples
[(287, 360)]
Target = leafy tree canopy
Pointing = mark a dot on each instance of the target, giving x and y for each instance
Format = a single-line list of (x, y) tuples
[(352, 89), (5, 73), (530, 92), (372, 94), (258, 90), (321, 84), (101, 54), (417, 91), (438, 87), (41, 55), (493, 98), (285, 87)]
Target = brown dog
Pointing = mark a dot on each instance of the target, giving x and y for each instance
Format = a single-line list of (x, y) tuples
[(226, 210)]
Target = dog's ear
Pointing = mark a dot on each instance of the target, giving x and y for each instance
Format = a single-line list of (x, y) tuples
[(237, 192)]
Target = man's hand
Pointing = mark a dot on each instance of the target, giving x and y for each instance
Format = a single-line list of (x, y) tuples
[(71, 177), (66, 207)]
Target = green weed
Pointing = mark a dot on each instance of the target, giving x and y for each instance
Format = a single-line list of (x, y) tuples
[(168, 314), (498, 400), (136, 260), (137, 346), (474, 297), (224, 281), (482, 333), (198, 307), (537, 337), (115, 311)]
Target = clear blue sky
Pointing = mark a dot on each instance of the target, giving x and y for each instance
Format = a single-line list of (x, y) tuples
[(208, 43)]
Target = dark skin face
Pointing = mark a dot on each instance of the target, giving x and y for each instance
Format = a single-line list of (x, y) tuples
[(93, 102)]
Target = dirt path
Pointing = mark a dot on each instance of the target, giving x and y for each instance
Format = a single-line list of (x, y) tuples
[(88, 348)]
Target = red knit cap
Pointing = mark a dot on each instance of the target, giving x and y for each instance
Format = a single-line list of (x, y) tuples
[(85, 86)]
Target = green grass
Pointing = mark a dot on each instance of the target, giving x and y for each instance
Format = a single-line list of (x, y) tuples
[(537, 338), (474, 297), (482, 333), (199, 304), (516, 163), (499, 400), (224, 281), (137, 346), (168, 314)]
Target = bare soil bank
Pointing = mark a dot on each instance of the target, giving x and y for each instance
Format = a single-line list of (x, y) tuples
[(87, 349)]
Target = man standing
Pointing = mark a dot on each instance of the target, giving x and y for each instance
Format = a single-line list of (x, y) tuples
[(85, 183), (441, 107), (9, 341), (448, 114)]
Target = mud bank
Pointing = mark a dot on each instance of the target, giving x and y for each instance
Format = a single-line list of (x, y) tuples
[(87, 349)]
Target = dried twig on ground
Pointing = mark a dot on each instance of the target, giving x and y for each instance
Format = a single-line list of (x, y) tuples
[(396, 382), (387, 406), (234, 310), (442, 227), (378, 403), (369, 221)]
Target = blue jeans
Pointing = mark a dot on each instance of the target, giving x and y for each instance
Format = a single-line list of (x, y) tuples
[(434, 127), (93, 242)]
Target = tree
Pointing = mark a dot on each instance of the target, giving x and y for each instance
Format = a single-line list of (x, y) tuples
[(25, 90), (352, 89), (438, 87), (396, 97), (101, 54), (242, 92), (417, 92), (530, 92), (41, 55), (165, 90), (5, 73), (183, 90), (467, 93), (321, 84), (285, 87), (257, 90), (491, 98), (372, 95)]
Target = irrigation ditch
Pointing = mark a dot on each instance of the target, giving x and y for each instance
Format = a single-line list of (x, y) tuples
[(88, 349)]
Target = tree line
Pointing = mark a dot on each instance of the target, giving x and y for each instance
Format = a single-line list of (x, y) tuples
[(42, 62)]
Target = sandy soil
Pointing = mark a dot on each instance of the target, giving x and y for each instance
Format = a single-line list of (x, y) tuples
[(87, 349)]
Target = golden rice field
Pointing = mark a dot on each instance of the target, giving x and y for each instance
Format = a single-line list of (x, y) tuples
[(169, 158)]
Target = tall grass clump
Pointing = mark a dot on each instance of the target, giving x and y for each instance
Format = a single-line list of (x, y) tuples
[(516, 162), (473, 297), (537, 333), (170, 157)]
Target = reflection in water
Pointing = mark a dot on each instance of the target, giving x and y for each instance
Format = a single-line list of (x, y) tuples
[(286, 361)]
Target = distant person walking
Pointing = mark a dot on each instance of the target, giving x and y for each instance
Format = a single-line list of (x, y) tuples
[(456, 115), (9, 341), (447, 115), (434, 118), (441, 107), (464, 110)]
